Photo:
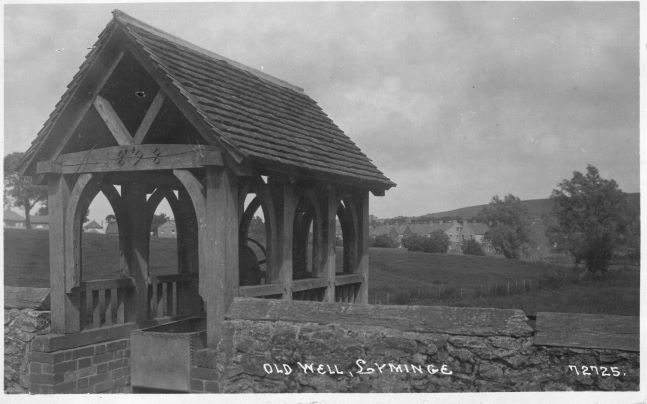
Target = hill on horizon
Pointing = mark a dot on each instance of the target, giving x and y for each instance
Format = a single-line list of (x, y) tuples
[(537, 208)]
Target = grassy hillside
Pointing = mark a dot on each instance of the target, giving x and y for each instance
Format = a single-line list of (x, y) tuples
[(537, 208), (26, 257)]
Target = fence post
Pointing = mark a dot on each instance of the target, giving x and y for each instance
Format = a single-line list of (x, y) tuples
[(508, 288)]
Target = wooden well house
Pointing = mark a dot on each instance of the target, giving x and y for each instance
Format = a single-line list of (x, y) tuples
[(151, 117)]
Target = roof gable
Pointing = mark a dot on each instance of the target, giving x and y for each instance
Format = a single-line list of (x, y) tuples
[(249, 113), (93, 225)]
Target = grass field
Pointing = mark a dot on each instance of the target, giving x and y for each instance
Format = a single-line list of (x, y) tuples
[(396, 275), (26, 257)]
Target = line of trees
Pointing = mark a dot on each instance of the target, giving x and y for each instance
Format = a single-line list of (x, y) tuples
[(436, 242), (593, 221)]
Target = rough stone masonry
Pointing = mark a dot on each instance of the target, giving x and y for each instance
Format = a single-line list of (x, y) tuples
[(272, 347), (291, 346)]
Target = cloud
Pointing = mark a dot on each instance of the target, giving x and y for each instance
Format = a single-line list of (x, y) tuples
[(455, 102)]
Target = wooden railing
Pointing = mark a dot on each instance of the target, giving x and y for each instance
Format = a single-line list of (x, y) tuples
[(313, 289), (274, 290), (347, 288), (106, 302), (172, 295)]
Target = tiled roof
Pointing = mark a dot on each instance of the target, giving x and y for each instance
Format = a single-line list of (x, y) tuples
[(479, 228), (12, 216), (254, 114), (93, 225), (39, 219)]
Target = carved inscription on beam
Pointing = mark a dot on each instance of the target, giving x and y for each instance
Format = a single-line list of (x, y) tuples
[(134, 158), (112, 120)]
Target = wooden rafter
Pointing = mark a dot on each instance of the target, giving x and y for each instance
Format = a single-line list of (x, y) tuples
[(97, 86), (113, 122), (149, 117)]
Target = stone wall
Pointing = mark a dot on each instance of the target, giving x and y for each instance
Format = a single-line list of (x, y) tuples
[(290, 346), (20, 328), (271, 346)]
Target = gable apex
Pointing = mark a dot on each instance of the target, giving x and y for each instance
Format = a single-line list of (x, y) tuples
[(267, 122)]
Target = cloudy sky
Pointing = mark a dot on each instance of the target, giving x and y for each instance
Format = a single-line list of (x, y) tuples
[(455, 102)]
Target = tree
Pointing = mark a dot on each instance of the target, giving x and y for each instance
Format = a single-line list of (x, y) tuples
[(158, 220), (509, 227), (472, 247), (412, 242), (20, 189), (111, 218), (593, 219), (437, 242), (384, 241)]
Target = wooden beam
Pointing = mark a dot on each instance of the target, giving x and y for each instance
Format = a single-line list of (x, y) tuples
[(96, 87), (285, 204), (260, 290), (136, 240), (145, 157), (108, 284), (219, 278), (149, 117), (329, 237), (306, 284), (64, 307), (112, 121), (362, 246), (205, 129), (85, 189), (347, 279), (49, 167)]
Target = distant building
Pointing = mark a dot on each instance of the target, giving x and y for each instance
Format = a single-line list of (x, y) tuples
[(93, 227), (455, 230), (13, 220), (39, 222), (167, 230)]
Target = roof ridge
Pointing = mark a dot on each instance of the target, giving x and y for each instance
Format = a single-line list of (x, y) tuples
[(127, 19)]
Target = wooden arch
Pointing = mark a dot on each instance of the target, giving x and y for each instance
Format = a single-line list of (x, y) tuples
[(265, 201), (349, 222), (183, 212), (86, 188), (301, 229)]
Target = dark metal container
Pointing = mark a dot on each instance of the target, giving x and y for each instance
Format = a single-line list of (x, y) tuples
[(161, 356)]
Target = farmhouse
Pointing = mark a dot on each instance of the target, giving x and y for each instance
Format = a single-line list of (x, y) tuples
[(12, 219), (39, 222), (167, 229), (163, 119), (93, 227)]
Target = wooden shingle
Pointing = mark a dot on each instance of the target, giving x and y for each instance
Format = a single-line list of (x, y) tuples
[(263, 119)]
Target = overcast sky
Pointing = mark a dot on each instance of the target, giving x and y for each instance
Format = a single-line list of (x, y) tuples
[(455, 102)]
